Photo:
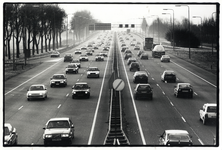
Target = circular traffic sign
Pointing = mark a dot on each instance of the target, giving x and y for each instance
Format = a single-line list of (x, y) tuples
[(118, 85)]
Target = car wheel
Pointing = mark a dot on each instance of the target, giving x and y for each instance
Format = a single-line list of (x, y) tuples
[(51, 85), (191, 95), (151, 97), (46, 96), (66, 72), (28, 99), (16, 141), (73, 97), (204, 121), (46, 143)]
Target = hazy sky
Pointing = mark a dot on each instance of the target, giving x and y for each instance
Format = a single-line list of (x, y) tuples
[(130, 13)]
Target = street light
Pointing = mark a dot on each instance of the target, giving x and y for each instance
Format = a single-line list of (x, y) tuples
[(188, 25), (200, 29), (173, 27), (158, 29)]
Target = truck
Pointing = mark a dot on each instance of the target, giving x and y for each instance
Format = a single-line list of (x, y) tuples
[(148, 43)]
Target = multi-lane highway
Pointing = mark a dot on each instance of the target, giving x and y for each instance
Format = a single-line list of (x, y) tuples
[(143, 120)]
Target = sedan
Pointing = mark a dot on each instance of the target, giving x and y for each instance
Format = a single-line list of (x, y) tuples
[(58, 130), (81, 89), (183, 90), (143, 91), (57, 80), (10, 134), (93, 72), (127, 56), (165, 58), (140, 52), (72, 68), (55, 54), (134, 66), (83, 58), (37, 91), (78, 51), (168, 76), (144, 56), (76, 62), (99, 57), (208, 112), (140, 77), (130, 60)]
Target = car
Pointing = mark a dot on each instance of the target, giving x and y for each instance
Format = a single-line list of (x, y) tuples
[(10, 135), (76, 62), (104, 54), (89, 53), (83, 58), (130, 60), (140, 77), (95, 47), (168, 76), (208, 112), (105, 48), (127, 56), (99, 57), (59, 129), (183, 90), (134, 66), (83, 48), (123, 44), (78, 51), (165, 58), (55, 54), (93, 72), (81, 89), (128, 51), (124, 48), (143, 91), (68, 57), (144, 56), (72, 68), (140, 52), (132, 44), (136, 48), (58, 80), (175, 138), (37, 91)]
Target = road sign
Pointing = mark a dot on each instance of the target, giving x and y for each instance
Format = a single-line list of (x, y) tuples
[(100, 26), (118, 85)]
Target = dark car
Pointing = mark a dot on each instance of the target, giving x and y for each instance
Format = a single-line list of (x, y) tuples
[(58, 130), (130, 60), (140, 52), (134, 66), (58, 80), (99, 57), (124, 48), (89, 53), (136, 48), (10, 134), (143, 91), (168, 76), (140, 77), (72, 68), (144, 56), (68, 57), (81, 89), (128, 51), (127, 56), (183, 90)]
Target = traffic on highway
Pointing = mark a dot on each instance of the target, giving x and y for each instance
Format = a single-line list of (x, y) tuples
[(115, 87)]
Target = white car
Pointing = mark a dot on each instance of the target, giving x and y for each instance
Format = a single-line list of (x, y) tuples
[(76, 62), (165, 58), (208, 112), (175, 138), (58, 130), (78, 51), (10, 134), (99, 57), (93, 72), (37, 91), (83, 58), (169, 76)]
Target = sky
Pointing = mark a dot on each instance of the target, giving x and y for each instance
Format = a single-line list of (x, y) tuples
[(134, 12)]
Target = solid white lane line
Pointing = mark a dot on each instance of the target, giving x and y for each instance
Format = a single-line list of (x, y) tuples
[(31, 78), (98, 103), (195, 93), (67, 94), (20, 107), (59, 106), (134, 105), (200, 142), (195, 74), (183, 119)]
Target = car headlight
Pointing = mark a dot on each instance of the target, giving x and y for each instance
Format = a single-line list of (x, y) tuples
[(29, 94), (86, 92), (97, 72), (40, 93), (65, 135), (48, 136), (74, 92), (53, 82), (61, 81)]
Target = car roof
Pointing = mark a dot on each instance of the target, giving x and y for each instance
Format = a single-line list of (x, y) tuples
[(59, 118), (176, 132), (38, 85), (81, 83), (7, 125), (58, 74), (93, 67), (210, 104), (143, 84), (140, 72), (183, 83)]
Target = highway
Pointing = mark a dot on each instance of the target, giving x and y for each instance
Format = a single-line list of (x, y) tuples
[(143, 120)]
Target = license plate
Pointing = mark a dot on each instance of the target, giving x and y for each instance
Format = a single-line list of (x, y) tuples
[(185, 91), (56, 139), (57, 83), (143, 92)]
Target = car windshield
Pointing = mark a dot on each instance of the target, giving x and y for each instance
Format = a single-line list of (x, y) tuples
[(144, 88), (35, 88), (58, 124), (71, 66), (184, 86), (212, 109), (93, 69), (81, 86), (178, 137), (6, 131), (58, 77), (169, 73), (68, 55)]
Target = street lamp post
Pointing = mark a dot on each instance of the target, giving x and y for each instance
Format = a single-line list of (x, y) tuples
[(158, 29), (200, 29), (188, 26), (173, 28), (170, 22)]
